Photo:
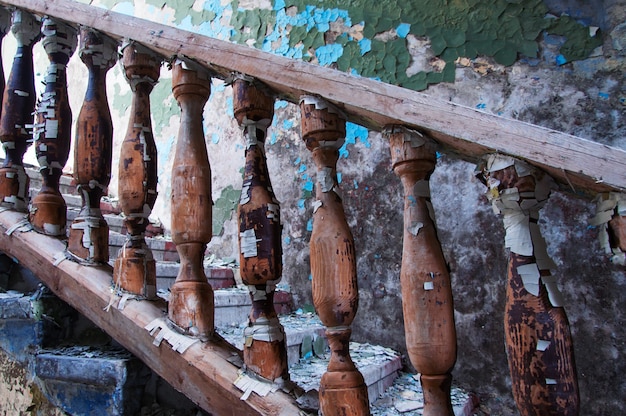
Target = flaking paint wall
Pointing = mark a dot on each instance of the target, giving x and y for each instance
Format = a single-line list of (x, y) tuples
[(520, 59)]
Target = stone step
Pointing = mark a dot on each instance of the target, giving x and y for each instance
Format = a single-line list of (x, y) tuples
[(87, 380)]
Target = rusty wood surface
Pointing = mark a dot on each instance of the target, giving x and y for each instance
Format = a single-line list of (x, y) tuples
[(202, 372), (577, 163)]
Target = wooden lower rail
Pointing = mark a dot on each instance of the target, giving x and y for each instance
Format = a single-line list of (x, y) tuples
[(584, 165), (202, 372)]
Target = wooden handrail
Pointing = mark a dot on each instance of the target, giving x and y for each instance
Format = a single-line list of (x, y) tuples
[(579, 164)]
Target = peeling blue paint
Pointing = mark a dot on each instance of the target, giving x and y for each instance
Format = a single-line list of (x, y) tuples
[(301, 204), (560, 60), (280, 104), (366, 45), (308, 186), (302, 168), (356, 184), (309, 225), (403, 30), (287, 124), (287, 240), (229, 107), (215, 138), (338, 177), (328, 54), (273, 138), (603, 95)]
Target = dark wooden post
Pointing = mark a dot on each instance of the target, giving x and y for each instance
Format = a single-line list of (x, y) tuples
[(135, 268), (5, 26), (89, 233), (426, 288), (191, 305), (260, 231), (18, 107), (333, 261), (53, 129), (538, 340)]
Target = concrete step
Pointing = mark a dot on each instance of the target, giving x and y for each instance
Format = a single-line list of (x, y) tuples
[(92, 381)]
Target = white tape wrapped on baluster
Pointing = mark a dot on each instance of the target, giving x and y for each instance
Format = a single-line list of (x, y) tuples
[(25, 28), (268, 330), (326, 179), (135, 80), (321, 104), (179, 342), (59, 37), (609, 205), (250, 128), (248, 243), (245, 191), (103, 55)]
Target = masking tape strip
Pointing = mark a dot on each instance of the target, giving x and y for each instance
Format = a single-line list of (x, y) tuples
[(22, 226), (179, 342), (542, 345), (249, 382), (267, 330), (247, 242), (326, 179), (322, 104)]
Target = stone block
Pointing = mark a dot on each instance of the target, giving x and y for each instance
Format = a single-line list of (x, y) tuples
[(87, 381)]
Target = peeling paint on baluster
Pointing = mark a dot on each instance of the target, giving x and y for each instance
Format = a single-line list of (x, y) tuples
[(18, 107), (539, 344), (52, 130)]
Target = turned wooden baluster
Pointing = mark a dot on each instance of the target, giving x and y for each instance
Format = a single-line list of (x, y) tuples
[(611, 219), (18, 107), (424, 277), (260, 230), (538, 340), (53, 129), (135, 268), (333, 262), (191, 298), (5, 26), (89, 233)]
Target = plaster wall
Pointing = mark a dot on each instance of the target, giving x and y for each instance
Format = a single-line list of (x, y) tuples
[(558, 76)]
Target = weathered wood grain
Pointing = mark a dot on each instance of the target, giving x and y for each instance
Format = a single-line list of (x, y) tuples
[(424, 277), (53, 127), (191, 298), (135, 268), (202, 372), (93, 150), (260, 229), (18, 107), (333, 263)]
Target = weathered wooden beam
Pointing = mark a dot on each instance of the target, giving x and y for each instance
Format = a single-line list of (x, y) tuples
[(202, 372), (583, 165)]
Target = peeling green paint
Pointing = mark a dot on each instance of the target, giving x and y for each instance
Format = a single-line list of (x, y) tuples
[(501, 29), (223, 208)]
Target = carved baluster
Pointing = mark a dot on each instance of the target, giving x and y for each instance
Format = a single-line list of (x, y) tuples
[(5, 26), (425, 280), (135, 268), (53, 129), (191, 298), (89, 233), (259, 236), (333, 262), (18, 107), (538, 340)]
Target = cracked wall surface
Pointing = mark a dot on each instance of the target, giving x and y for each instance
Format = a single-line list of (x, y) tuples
[(554, 63)]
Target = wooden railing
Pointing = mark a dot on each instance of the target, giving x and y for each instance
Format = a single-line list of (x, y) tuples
[(540, 353)]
